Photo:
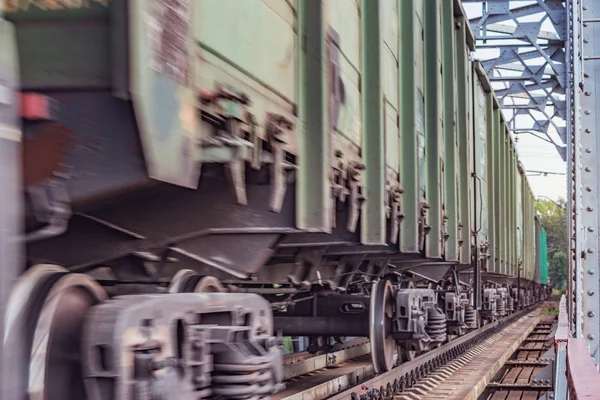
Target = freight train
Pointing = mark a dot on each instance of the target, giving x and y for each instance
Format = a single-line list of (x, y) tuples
[(193, 179)]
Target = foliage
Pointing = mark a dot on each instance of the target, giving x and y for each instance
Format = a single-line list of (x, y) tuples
[(554, 218), (557, 269)]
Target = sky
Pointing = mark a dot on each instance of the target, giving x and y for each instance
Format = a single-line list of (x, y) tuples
[(536, 154)]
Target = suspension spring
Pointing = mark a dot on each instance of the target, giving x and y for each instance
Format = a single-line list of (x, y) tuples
[(436, 324), (501, 307), (471, 317), (510, 305)]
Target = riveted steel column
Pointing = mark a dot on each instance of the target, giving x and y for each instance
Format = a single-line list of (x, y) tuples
[(313, 201), (433, 130), (574, 68), (11, 356), (373, 224), (590, 157), (409, 168)]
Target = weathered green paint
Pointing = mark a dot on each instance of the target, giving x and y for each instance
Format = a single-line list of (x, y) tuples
[(390, 77), (433, 122), (513, 186), (464, 79), (344, 17), (528, 266), (373, 218), (519, 202), (491, 169), (410, 62), (543, 251), (497, 180), (501, 177), (482, 151), (313, 203), (165, 107), (35, 10), (63, 48), (450, 89)]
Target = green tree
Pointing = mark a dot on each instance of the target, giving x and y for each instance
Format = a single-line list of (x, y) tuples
[(554, 218), (557, 270)]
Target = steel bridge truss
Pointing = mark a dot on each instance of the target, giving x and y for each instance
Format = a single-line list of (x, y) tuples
[(548, 69), (529, 72)]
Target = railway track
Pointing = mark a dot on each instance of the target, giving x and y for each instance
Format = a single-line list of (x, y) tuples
[(349, 373), (528, 374)]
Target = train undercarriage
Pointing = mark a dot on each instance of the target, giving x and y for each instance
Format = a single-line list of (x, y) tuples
[(202, 337)]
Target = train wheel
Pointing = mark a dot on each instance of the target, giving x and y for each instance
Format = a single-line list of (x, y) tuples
[(188, 281), (46, 314), (383, 344)]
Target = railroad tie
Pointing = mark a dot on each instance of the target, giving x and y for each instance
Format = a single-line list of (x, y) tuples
[(446, 383)]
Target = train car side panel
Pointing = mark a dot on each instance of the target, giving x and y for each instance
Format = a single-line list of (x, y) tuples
[(543, 250), (482, 147), (451, 175), (314, 199), (433, 128), (411, 121), (373, 221), (465, 143)]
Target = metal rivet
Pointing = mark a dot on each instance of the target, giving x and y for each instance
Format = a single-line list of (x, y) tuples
[(588, 130), (589, 189), (586, 40), (590, 209), (591, 336), (590, 229), (590, 251), (587, 169), (586, 75), (588, 93), (591, 292), (585, 8), (591, 271), (591, 314), (588, 150)]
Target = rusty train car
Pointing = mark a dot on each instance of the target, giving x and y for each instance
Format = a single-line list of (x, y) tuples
[(188, 178)]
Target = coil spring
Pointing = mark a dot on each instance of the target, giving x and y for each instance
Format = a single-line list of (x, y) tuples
[(436, 324), (241, 372), (501, 307), (510, 306), (471, 317)]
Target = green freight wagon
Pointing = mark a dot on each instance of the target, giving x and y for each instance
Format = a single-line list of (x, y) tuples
[(336, 162)]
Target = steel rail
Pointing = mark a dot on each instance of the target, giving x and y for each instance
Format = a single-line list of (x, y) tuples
[(410, 372), (360, 373)]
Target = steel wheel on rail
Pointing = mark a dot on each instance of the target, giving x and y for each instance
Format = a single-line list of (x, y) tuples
[(45, 317), (188, 281), (383, 345)]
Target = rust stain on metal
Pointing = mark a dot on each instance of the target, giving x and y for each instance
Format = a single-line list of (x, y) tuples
[(170, 27), (46, 153)]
